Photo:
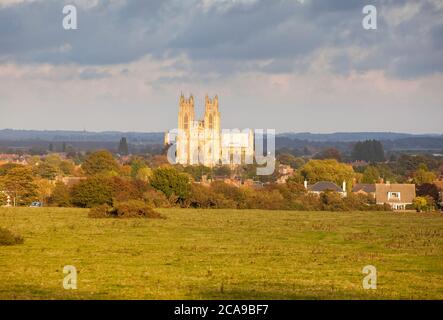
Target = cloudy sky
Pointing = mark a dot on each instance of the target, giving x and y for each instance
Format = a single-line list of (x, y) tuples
[(292, 65)]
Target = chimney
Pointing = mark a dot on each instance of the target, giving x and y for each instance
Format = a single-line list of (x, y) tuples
[(344, 186), (306, 184)]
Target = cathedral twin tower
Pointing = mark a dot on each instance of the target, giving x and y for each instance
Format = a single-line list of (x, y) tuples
[(202, 141)]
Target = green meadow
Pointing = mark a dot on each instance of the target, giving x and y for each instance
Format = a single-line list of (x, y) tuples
[(222, 254)]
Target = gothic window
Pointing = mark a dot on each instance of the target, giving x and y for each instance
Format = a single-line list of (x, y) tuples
[(186, 122), (210, 122)]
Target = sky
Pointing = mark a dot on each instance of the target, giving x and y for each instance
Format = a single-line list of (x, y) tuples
[(289, 65)]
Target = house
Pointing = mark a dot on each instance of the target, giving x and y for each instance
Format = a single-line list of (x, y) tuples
[(323, 186), (364, 189), (397, 195), (284, 172)]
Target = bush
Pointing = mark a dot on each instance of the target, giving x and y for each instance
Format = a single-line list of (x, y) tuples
[(8, 238), (101, 211), (92, 192), (125, 209), (171, 182), (61, 196), (156, 199)]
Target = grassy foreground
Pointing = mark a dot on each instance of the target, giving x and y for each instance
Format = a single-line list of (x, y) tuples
[(222, 254)]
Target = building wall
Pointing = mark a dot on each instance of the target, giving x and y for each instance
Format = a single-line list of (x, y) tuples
[(201, 141)]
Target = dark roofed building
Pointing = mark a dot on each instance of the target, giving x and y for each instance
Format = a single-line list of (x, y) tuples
[(364, 188), (323, 186)]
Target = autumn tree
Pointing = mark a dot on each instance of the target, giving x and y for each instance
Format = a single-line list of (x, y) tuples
[(171, 182), (100, 162), (327, 170), (92, 192), (370, 175), (60, 196), (19, 184), (330, 153)]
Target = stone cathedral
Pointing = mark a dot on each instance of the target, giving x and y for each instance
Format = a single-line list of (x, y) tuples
[(204, 142)]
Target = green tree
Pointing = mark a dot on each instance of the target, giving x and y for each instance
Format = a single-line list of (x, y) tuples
[(422, 176), (144, 174), (137, 163), (171, 182), (369, 150), (370, 175), (46, 170), (327, 170), (100, 162), (61, 196), (420, 204), (19, 184), (92, 192)]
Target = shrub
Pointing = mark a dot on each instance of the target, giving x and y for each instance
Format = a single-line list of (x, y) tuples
[(60, 196), (171, 182), (8, 238), (92, 192), (134, 209), (101, 211), (156, 199), (125, 209), (100, 162)]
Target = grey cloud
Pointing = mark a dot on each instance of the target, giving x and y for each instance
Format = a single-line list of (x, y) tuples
[(226, 39)]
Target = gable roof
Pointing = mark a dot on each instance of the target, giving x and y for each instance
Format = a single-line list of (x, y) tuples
[(407, 192), (324, 186), (364, 187)]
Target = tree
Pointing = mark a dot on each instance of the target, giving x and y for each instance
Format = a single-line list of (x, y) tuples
[(327, 170), (223, 171), (420, 204), (123, 147), (67, 167), (5, 168), (44, 189), (19, 184), (47, 170), (100, 162), (369, 150), (61, 196), (422, 176), (428, 189), (137, 163), (144, 174), (290, 160), (370, 175), (330, 153), (171, 182), (92, 192)]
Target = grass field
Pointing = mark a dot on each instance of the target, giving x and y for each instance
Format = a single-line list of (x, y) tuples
[(222, 254)]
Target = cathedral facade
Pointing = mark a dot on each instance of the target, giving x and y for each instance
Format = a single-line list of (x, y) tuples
[(204, 142)]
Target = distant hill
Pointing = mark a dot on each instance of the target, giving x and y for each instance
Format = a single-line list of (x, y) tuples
[(343, 141), (69, 136), (353, 136)]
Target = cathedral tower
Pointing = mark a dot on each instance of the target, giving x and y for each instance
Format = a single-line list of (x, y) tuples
[(186, 116), (212, 148)]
